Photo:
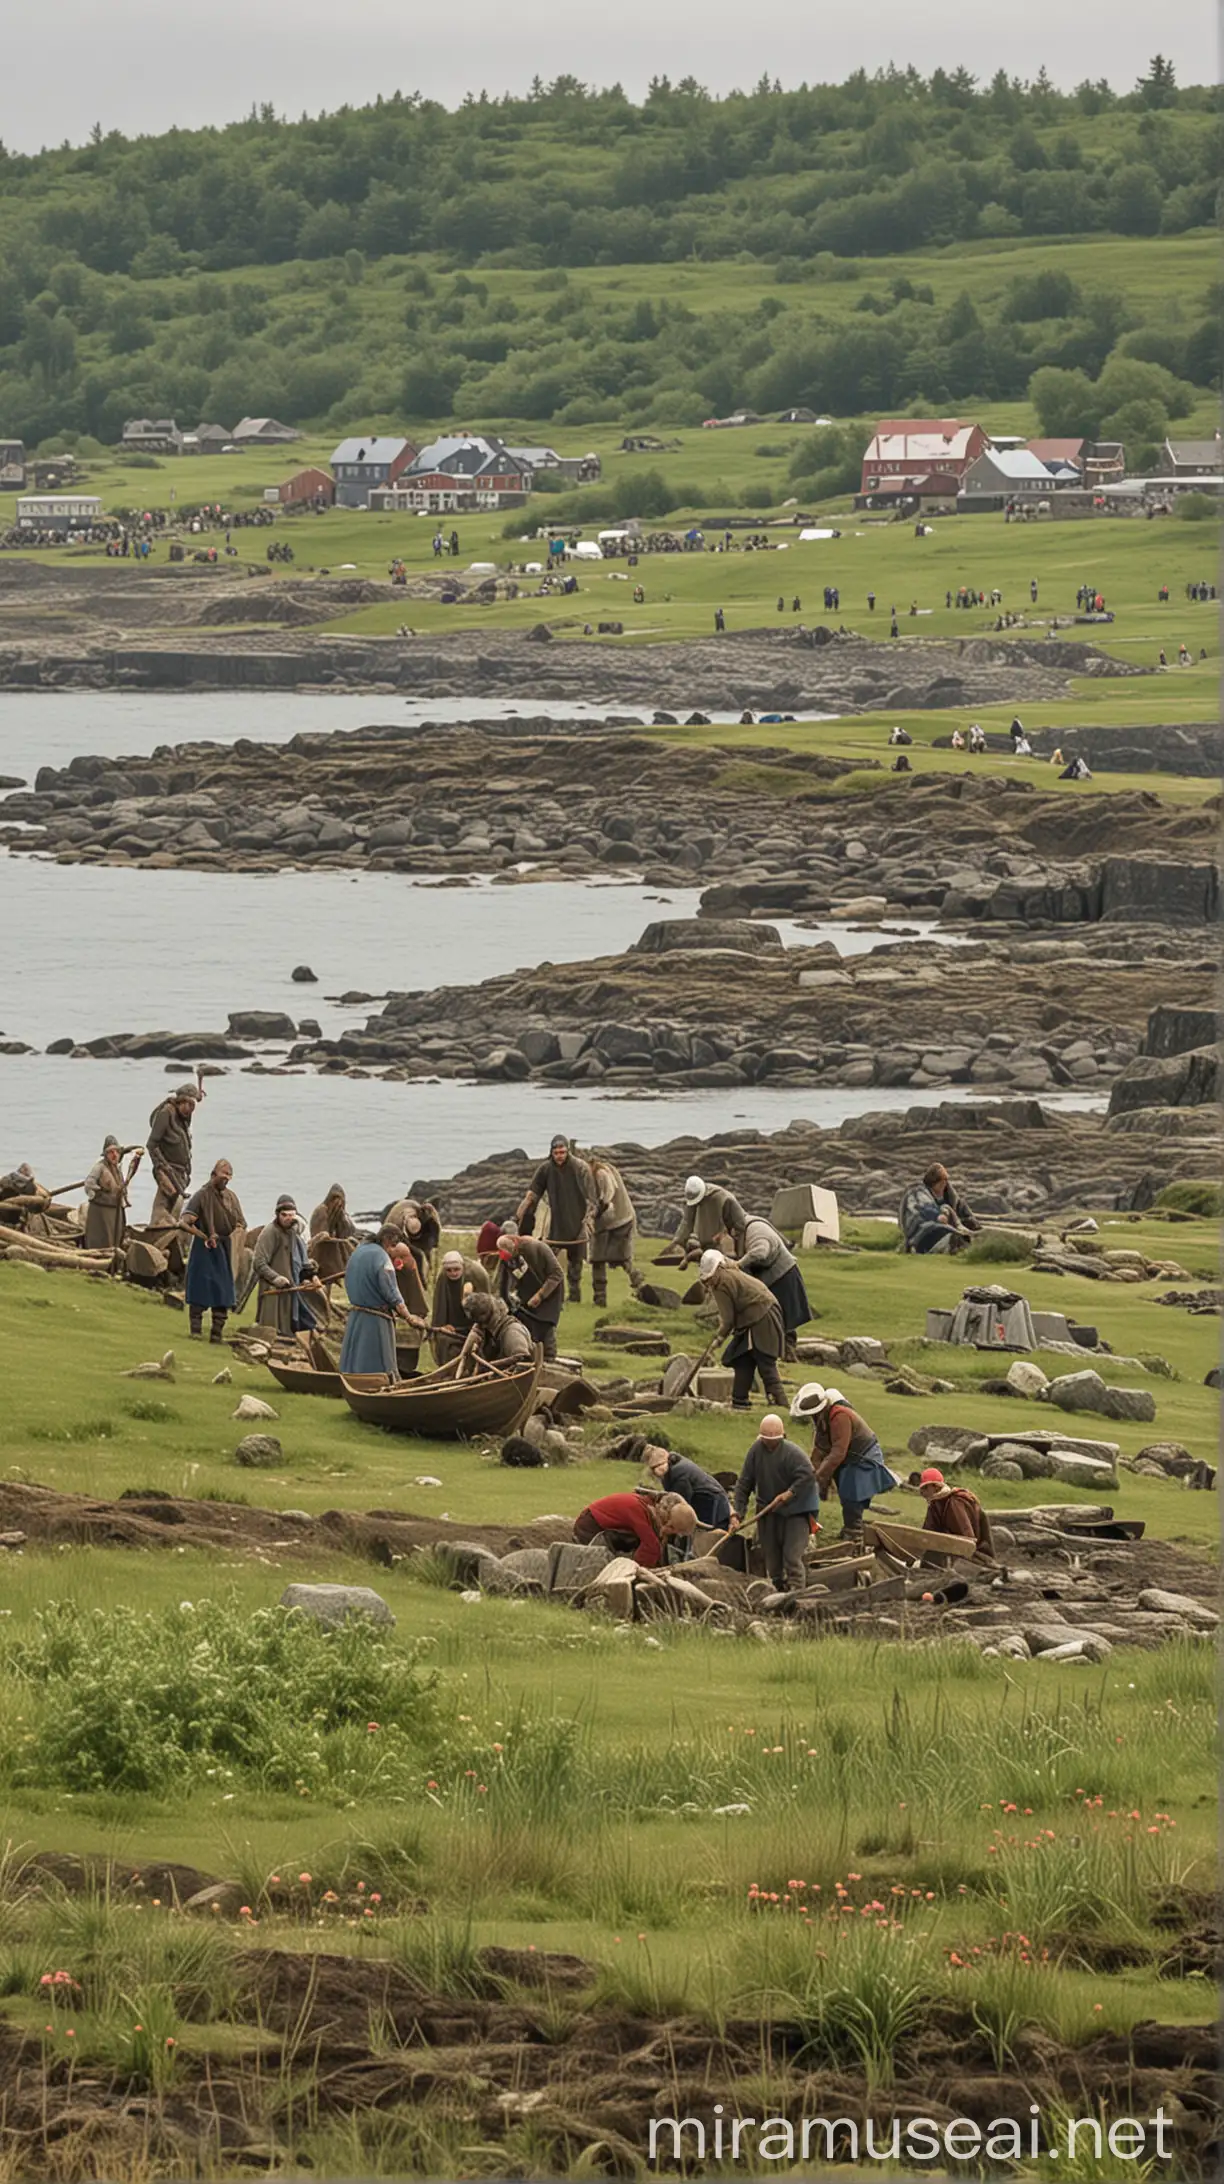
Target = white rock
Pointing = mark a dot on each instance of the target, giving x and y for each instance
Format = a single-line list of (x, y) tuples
[(253, 1406), (1157, 1602), (1025, 1378), (425, 1480)]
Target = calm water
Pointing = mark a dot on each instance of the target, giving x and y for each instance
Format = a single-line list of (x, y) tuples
[(47, 728), (302, 1133), (94, 950)]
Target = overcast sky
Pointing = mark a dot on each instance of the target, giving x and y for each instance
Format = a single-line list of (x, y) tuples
[(142, 65)]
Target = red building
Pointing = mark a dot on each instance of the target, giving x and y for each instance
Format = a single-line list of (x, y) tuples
[(916, 447)]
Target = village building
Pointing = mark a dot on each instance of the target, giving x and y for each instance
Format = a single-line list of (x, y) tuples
[(577, 469), (999, 475), (361, 466), (57, 515), (12, 466), (151, 436), (309, 488), (455, 472), (1064, 459), (1193, 458), (916, 447), (1104, 463), (263, 432), (208, 440), (929, 493)]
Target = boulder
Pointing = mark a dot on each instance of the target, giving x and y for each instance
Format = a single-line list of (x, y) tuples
[(675, 1372), (1000, 1467), (1024, 1378), (259, 1451), (862, 1350), (261, 1024), (972, 1446), (1074, 1470), (252, 1406), (1032, 1463), (528, 1564), (504, 1065), (302, 975), (665, 934), (539, 1047), (1157, 1602), (1087, 1391), (332, 1605)]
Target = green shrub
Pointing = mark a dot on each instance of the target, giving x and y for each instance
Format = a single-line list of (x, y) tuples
[(997, 1250), (147, 1702), (1197, 508), (1204, 1199)]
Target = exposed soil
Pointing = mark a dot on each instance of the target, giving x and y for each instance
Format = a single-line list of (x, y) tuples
[(590, 2079)]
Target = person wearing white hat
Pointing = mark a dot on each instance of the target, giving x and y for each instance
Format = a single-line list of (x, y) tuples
[(712, 1216), (776, 1470), (457, 1276), (845, 1451), (751, 1316)]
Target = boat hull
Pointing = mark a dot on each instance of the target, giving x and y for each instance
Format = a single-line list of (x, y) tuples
[(439, 1406)]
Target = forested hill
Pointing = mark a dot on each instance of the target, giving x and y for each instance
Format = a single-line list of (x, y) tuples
[(106, 246)]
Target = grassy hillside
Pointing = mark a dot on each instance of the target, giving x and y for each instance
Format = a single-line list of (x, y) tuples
[(574, 258)]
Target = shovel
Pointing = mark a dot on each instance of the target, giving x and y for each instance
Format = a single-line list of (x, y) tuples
[(749, 1524)]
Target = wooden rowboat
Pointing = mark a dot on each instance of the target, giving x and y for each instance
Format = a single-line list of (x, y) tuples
[(299, 1377), (491, 1399)]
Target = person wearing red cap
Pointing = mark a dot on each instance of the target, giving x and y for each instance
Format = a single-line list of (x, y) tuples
[(954, 1510)]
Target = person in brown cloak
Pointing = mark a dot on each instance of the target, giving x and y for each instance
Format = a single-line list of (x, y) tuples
[(282, 1267), (333, 1238), (612, 1238), (106, 1192), (215, 1218), (169, 1145)]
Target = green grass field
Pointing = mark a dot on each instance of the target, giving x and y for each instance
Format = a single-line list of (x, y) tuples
[(690, 1815)]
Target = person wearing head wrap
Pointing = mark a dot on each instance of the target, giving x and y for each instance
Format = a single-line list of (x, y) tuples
[(493, 1330), (531, 1277), (375, 1307), (214, 1217), (770, 1258), (751, 1316), (711, 1218), (106, 1193), (169, 1147), (569, 1187), (612, 1237), (776, 1471), (955, 1511), (456, 1275), (628, 1524), (680, 1475), (281, 1266), (845, 1451)]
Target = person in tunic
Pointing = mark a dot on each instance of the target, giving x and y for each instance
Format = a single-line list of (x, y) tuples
[(456, 1275), (214, 1218), (630, 1525), (531, 1272), (569, 1187), (282, 1266), (769, 1258), (954, 1511), (680, 1475), (169, 1147), (711, 1217), (751, 1316), (333, 1239), (845, 1451), (375, 1305), (612, 1236), (493, 1330), (106, 1192), (776, 1470)]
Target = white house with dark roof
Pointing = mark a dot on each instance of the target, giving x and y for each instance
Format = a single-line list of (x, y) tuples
[(1013, 473)]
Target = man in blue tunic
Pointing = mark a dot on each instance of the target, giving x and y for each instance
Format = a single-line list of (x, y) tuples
[(375, 1305)]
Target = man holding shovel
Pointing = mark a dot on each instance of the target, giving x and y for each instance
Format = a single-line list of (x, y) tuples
[(787, 1499)]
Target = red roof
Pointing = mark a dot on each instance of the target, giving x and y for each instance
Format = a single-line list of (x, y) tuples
[(949, 426), (1056, 451)]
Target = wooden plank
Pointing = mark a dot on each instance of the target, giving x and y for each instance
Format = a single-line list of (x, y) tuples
[(913, 1539)]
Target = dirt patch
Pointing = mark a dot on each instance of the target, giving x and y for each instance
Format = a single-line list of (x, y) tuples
[(51, 1519)]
